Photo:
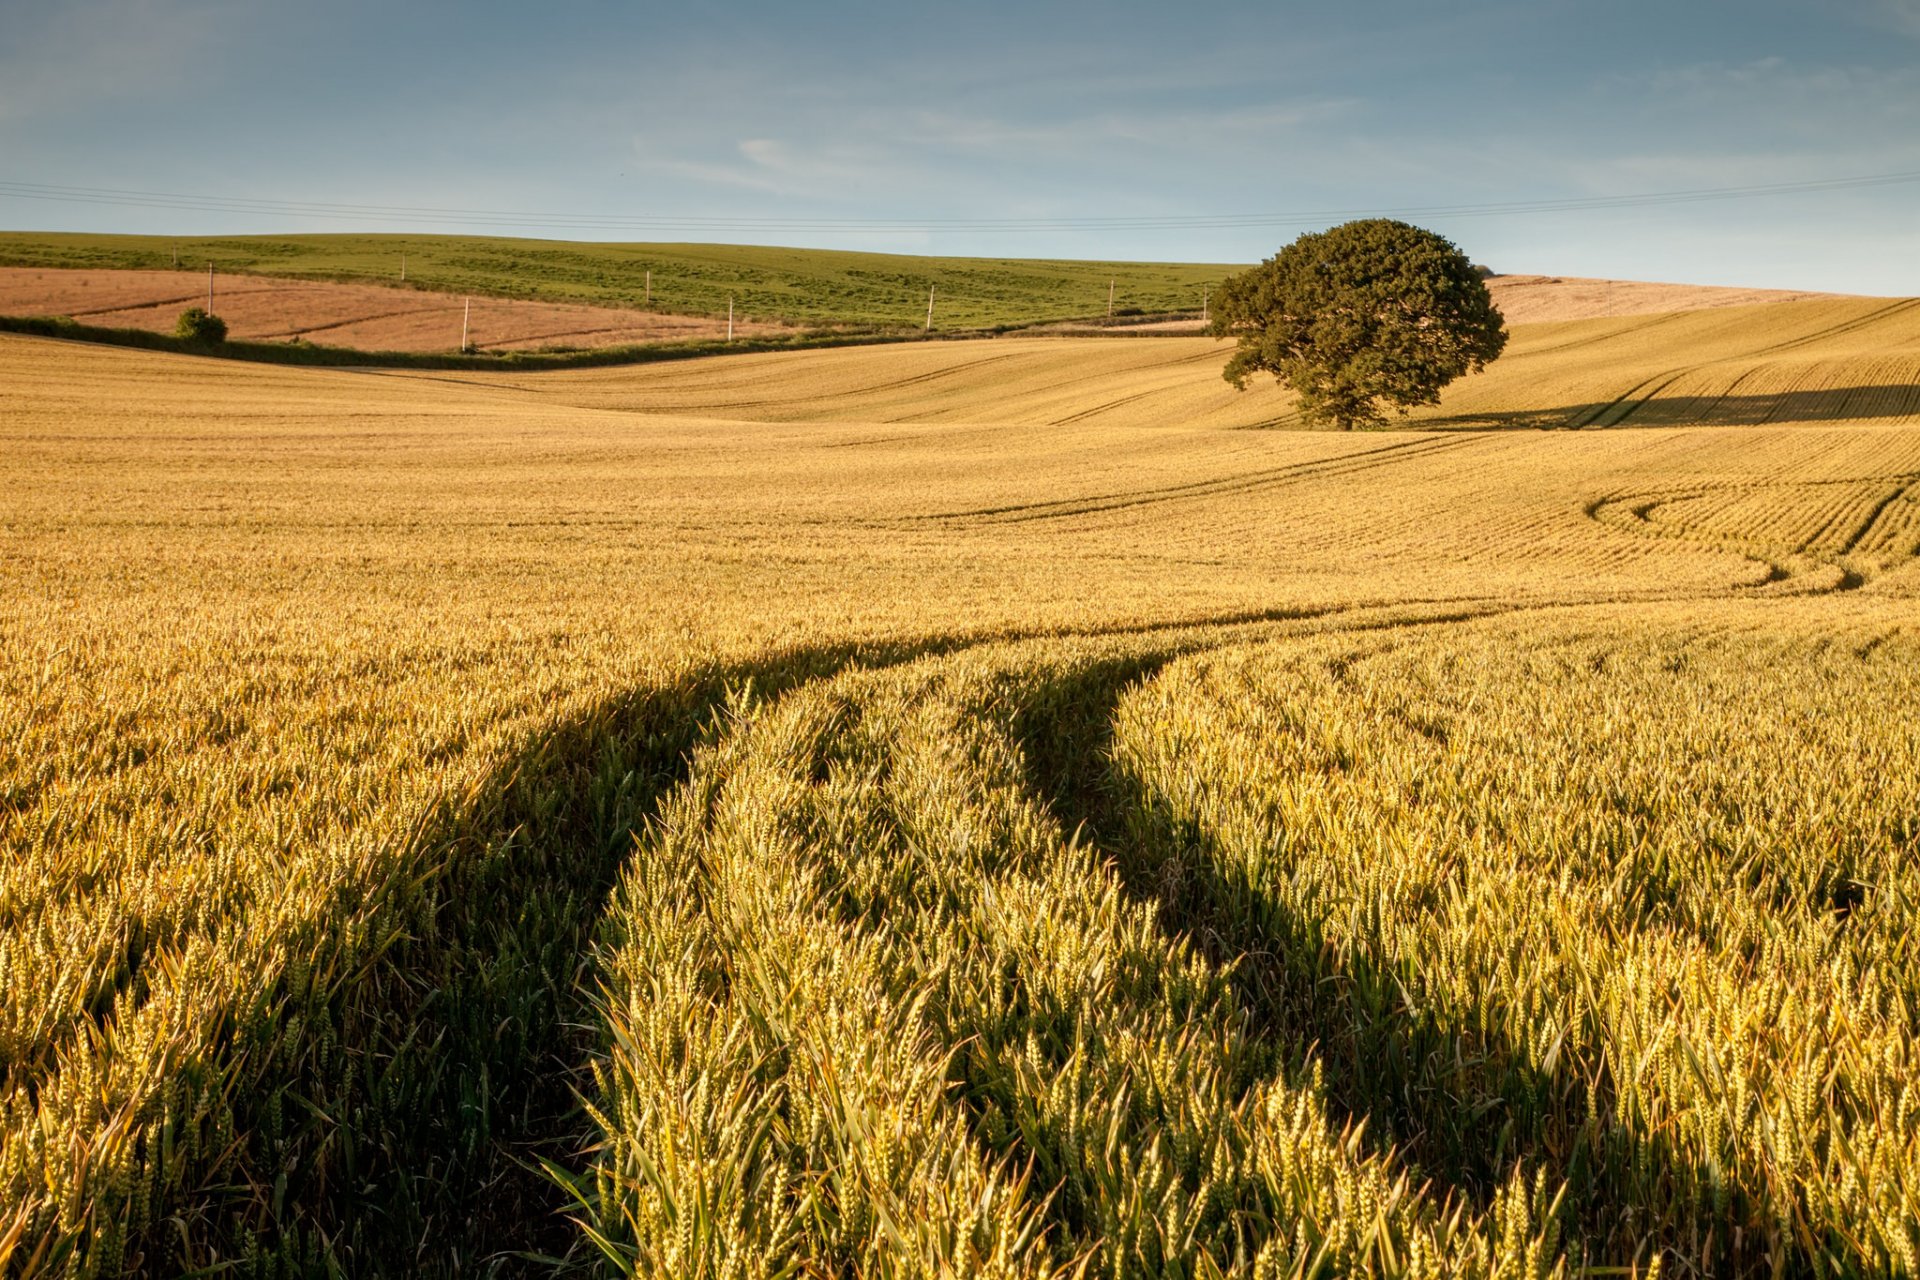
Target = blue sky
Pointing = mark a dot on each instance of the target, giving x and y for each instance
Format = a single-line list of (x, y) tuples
[(995, 128)]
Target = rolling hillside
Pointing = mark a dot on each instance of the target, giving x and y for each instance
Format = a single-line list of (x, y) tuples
[(1839, 361), (966, 808), (348, 291), (798, 286)]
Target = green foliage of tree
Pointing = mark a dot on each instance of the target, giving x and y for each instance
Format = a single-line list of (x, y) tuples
[(197, 324), (1369, 314)]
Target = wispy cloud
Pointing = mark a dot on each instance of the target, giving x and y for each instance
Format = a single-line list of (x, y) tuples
[(72, 56), (1180, 128), (878, 151), (769, 166), (1901, 15), (1772, 78)]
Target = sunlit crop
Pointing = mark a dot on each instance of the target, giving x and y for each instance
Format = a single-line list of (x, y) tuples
[(974, 809)]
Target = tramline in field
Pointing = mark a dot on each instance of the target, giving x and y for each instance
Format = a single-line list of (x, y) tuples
[(979, 808)]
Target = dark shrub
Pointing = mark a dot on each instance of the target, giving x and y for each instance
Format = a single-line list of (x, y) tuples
[(198, 325)]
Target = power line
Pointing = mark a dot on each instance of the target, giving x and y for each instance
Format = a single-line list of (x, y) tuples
[(522, 219)]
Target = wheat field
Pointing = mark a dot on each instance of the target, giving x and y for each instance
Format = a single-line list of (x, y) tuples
[(994, 808)]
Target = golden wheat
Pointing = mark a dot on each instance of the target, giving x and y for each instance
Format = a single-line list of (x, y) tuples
[(1063, 848)]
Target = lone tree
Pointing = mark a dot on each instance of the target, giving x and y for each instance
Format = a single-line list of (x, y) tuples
[(1369, 313)]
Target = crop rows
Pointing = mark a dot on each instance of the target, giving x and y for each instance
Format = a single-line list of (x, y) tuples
[(1840, 361), (1634, 906), (1417, 954), (874, 1011), (449, 823)]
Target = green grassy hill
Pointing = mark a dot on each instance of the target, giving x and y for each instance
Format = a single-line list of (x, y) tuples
[(809, 286)]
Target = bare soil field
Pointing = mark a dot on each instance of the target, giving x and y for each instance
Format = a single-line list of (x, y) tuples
[(368, 317)]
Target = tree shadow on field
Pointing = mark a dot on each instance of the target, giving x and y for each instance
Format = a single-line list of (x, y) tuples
[(1457, 1100), (1835, 404), (392, 1093), (390, 1100)]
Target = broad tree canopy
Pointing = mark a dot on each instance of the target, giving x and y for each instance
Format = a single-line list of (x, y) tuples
[(1369, 314)]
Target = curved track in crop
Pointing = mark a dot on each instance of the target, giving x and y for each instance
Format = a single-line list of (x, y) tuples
[(1825, 535), (1182, 917), (1229, 946), (1211, 946)]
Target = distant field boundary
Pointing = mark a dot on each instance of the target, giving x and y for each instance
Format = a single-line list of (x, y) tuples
[(313, 355), (808, 288)]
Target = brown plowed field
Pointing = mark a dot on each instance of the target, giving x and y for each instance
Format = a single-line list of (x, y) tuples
[(369, 317)]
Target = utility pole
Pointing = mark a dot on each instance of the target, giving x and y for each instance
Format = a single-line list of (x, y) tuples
[(403, 266), (465, 321), (1203, 303), (1109, 297), (649, 286), (729, 317), (176, 257), (209, 288), (929, 308)]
